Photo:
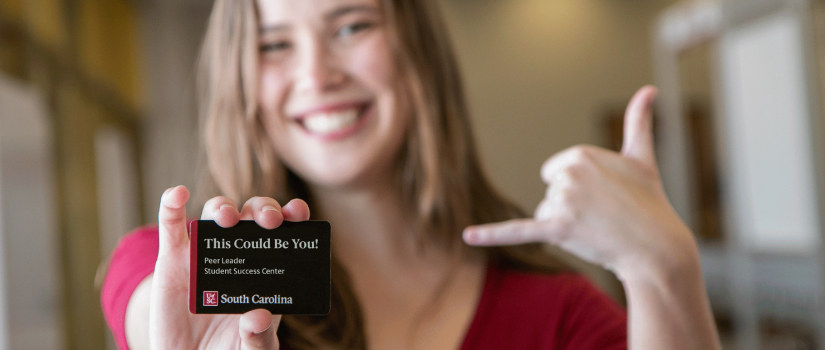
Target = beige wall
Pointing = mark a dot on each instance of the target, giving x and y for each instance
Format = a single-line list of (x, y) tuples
[(540, 74), (171, 33)]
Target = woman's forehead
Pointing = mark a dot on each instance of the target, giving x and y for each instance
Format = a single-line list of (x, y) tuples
[(284, 12)]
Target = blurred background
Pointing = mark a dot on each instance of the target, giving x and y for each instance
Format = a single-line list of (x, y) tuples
[(97, 118)]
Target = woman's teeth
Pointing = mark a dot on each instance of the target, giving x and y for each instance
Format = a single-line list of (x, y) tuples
[(329, 122)]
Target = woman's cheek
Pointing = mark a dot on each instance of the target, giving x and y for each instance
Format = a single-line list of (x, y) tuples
[(272, 88), (373, 60)]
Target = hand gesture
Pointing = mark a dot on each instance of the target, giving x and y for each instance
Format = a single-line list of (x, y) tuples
[(608, 208)]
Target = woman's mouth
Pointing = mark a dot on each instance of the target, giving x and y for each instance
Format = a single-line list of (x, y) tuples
[(335, 123), (328, 122)]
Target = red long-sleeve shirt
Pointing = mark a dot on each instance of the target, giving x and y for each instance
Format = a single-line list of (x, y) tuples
[(517, 310)]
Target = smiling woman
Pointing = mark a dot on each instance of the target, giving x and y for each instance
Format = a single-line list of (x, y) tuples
[(357, 107)]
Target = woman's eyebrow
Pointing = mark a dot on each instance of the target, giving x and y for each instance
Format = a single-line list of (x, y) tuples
[(272, 28), (346, 9), (337, 12)]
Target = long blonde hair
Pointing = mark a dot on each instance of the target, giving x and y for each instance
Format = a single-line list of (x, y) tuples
[(438, 169)]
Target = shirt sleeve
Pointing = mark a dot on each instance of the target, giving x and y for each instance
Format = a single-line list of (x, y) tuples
[(132, 260)]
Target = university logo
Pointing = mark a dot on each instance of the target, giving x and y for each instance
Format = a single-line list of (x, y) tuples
[(210, 298)]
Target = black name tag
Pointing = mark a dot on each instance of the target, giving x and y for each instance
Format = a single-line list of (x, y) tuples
[(237, 269)]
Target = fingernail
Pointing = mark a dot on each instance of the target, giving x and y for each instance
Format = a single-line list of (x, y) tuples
[(470, 235), (263, 330), (224, 206), (269, 208)]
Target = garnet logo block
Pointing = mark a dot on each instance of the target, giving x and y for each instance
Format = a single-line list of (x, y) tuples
[(210, 298)]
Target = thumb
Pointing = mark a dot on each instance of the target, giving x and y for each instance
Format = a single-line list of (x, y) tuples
[(168, 293), (172, 221), (638, 127), (258, 330)]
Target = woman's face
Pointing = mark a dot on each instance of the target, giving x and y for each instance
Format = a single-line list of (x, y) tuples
[(328, 89)]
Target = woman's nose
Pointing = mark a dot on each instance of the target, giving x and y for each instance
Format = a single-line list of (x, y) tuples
[(318, 69)]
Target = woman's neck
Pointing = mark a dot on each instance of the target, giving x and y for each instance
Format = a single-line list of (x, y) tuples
[(368, 222)]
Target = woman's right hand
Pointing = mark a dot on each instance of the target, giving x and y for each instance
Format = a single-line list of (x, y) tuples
[(171, 326)]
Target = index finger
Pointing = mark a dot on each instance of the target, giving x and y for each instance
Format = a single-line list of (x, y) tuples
[(221, 209), (516, 231)]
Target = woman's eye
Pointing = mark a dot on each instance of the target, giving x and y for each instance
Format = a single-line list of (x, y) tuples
[(275, 46), (352, 29)]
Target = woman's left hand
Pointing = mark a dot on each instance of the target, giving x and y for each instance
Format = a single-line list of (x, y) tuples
[(608, 208)]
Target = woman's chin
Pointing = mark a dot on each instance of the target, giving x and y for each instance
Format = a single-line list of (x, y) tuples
[(341, 179)]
